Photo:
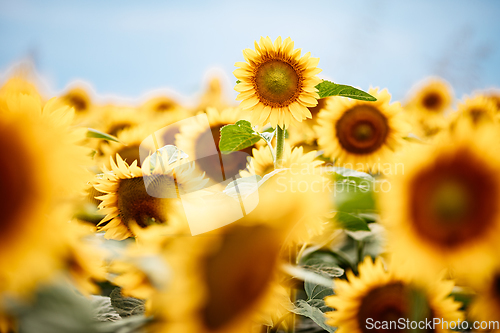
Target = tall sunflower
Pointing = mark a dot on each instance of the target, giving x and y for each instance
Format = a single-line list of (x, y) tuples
[(201, 144), (276, 84), (361, 135), (144, 196), (382, 295), (442, 210)]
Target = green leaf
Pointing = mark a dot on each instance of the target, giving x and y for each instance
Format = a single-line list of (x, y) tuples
[(103, 310), (93, 133), (306, 309), (126, 306), (351, 222), (132, 324), (353, 191), (341, 173), (327, 88), (238, 81), (237, 137), (305, 274), (55, 309)]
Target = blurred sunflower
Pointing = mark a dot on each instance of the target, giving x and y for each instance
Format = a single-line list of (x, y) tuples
[(486, 304), (262, 162), (19, 84), (145, 195), (41, 173), (442, 211), (276, 84), (79, 99), (128, 147), (428, 105), (213, 96), (197, 142), (387, 295), (83, 260), (478, 109), (160, 104), (112, 119), (361, 135), (222, 281)]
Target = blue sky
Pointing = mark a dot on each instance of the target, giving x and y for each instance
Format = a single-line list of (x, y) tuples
[(128, 48)]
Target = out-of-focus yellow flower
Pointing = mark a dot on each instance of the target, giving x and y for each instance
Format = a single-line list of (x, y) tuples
[(19, 85), (442, 210), (478, 109), (486, 304), (428, 105), (83, 260), (42, 169), (129, 146), (79, 99), (361, 135), (382, 295), (276, 84), (213, 96)]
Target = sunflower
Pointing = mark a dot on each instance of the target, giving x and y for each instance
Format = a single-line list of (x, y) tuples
[(129, 146), (478, 109), (160, 104), (428, 105), (442, 210), (79, 99), (262, 162), (112, 119), (223, 282), (41, 172), (213, 96), (19, 84), (276, 84), (201, 144), (83, 260), (380, 295), (145, 195), (361, 135)]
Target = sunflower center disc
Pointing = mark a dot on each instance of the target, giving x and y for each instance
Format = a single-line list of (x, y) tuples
[(136, 204), (450, 201), (453, 200), (17, 183), (362, 129), (78, 102), (388, 303), (432, 101), (277, 82)]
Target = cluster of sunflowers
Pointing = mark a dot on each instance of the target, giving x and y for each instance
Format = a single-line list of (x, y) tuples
[(310, 206)]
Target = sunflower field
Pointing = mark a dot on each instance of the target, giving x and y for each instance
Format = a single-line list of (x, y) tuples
[(305, 206)]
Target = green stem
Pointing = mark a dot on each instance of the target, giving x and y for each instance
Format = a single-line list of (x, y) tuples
[(280, 147), (360, 245)]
